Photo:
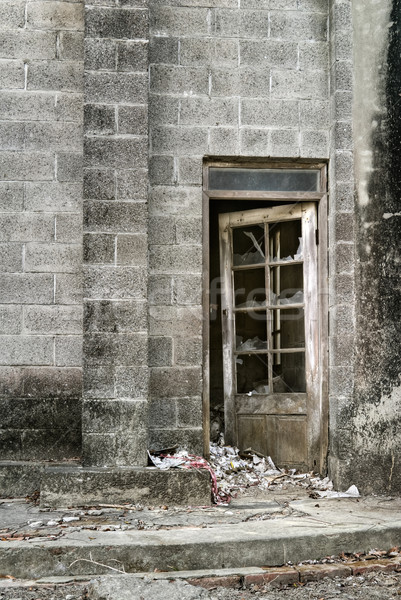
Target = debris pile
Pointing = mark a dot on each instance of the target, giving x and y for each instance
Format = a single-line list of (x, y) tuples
[(233, 471)]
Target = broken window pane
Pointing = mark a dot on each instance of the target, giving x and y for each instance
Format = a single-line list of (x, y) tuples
[(286, 283), (252, 374), (251, 329), (268, 180), (288, 329), (249, 245), (249, 288), (290, 367), (285, 241)]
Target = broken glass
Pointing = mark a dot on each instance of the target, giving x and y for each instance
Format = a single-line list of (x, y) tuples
[(248, 246)]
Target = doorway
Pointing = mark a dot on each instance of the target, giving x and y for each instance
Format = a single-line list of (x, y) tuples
[(264, 351)]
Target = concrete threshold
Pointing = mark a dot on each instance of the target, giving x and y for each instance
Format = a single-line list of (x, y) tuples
[(327, 528)]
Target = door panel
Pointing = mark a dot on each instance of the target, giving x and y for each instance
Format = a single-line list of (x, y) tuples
[(268, 263)]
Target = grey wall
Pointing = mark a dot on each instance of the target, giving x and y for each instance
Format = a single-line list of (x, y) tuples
[(41, 52), (224, 81)]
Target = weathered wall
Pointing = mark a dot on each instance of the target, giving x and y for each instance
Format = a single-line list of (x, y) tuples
[(224, 81), (115, 353), (41, 50), (375, 422)]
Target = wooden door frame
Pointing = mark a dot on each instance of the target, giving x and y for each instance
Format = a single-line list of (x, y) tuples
[(321, 199)]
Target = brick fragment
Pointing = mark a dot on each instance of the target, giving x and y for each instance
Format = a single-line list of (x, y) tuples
[(278, 576), (212, 582), (317, 572)]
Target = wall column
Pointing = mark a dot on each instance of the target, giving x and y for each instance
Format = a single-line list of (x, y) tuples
[(115, 234)]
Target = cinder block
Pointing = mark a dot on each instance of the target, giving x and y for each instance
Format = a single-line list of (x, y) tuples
[(132, 185), (179, 21), (170, 320), (188, 351), (201, 3), (69, 228), (133, 120), (11, 196), (100, 54), (12, 14), (124, 316), (315, 144), (255, 53), (223, 140), (298, 26), (175, 382), (116, 217), (342, 16), (68, 288), (64, 76), (160, 352), (341, 381), (308, 85), (189, 231), (190, 170), (26, 227), (102, 416), (173, 200), (117, 23), (179, 140), (70, 166), (132, 56), (163, 413), (341, 46), (341, 75), (161, 170), (68, 350), (53, 197), (26, 350), (26, 106), (12, 74), (342, 102), (255, 142), (188, 289), (52, 258), (164, 50), (224, 82), (116, 88), (191, 439), (11, 385), (175, 259), (106, 283), (99, 248), (10, 444), (69, 106), (10, 319), (274, 113), (189, 411), (11, 257), (56, 137), (117, 153), (115, 450), (12, 136), (314, 114), (55, 15), (344, 197), (99, 119), (171, 79), (313, 6), (26, 288), (71, 45), (162, 110), (194, 52), (341, 350), (160, 290), (341, 288), (132, 250), (16, 43), (52, 382), (132, 382), (344, 228), (99, 184), (227, 23), (313, 55), (264, 4), (119, 349), (98, 382), (52, 319), (162, 230), (255, 82), (343, 165), (209, 111)]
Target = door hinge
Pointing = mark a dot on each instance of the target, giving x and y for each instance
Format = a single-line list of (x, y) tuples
[(317, 236)]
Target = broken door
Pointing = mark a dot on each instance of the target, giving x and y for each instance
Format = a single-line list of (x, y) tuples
[(268, 263)]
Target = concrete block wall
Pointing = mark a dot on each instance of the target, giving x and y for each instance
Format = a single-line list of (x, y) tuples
[(41, 50), (227, 78), (115, 355), (341, 242)]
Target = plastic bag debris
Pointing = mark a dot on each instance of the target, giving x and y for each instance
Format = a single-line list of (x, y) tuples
[(352, 492)]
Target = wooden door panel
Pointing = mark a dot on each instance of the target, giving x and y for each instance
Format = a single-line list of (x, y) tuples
[(291, 436)]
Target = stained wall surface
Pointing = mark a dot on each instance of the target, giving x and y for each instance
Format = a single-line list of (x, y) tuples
[(41, 63)]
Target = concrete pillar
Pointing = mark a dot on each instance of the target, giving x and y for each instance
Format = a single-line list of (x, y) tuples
[(115, 351)]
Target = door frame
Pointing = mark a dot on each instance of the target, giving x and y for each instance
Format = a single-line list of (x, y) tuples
[(321, 199)]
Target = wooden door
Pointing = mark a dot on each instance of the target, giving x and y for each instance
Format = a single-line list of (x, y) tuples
[(268, 262)]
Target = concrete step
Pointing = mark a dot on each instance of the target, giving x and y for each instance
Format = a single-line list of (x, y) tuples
[(323, 531)]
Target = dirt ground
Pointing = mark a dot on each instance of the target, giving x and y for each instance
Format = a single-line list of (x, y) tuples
[(374, 586)]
